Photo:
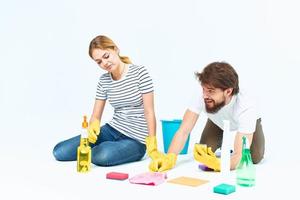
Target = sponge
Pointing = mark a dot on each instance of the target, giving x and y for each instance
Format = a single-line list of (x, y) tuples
[(117, 176), (224, 188)]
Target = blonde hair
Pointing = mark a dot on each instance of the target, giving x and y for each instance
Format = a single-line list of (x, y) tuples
[(104, 42)]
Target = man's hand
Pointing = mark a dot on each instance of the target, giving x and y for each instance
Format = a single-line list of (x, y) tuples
[(206, 156)]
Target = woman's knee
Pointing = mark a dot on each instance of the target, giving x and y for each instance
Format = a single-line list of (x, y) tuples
[(66, 150), (58, 152), (101, 157)]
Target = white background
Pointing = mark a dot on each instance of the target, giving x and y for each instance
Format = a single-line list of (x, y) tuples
[(48, 81)]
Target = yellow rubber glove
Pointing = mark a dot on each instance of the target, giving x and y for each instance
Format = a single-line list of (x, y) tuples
[(153, 153), (155, 164), (151, 145), (206, 156), (164, 163), (93, 131)]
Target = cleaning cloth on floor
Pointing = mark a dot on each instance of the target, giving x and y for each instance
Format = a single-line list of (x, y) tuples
[(149, 178), (188, 181)]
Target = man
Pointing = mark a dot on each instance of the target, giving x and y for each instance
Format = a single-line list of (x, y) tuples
[(221, 100)]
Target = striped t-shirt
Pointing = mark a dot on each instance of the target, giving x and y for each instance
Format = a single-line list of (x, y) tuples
[(125, 96)]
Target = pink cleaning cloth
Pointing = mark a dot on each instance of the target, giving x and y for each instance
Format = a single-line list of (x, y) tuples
[(149, 178)]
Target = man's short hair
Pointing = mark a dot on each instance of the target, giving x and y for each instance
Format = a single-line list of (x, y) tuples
[(219, 75)]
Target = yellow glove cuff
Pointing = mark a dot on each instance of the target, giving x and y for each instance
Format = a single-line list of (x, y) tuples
[(151, 145)]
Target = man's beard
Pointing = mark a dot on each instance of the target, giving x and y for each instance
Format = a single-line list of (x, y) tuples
[(216, 106)]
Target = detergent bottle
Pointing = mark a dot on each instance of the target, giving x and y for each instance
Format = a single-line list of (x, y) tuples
[(84, 150)]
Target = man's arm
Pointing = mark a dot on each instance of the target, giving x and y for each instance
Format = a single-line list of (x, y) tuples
[(238, 147), (189, 120)]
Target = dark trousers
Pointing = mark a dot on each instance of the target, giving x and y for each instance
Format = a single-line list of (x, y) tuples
[(212, 136)]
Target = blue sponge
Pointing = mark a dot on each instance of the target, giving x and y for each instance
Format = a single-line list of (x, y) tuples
[(224, 189)]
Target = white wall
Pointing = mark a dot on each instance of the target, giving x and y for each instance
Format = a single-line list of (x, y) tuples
[(48, 81)]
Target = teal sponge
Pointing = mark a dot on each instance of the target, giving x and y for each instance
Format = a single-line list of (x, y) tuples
[(224, 189)]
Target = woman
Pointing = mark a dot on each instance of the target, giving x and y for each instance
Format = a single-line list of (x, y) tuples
[(129, 89)]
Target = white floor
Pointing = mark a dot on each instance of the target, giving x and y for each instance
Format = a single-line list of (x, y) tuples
[(28, 177), (29, 171)]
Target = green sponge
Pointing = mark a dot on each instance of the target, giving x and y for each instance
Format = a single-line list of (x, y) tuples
[(224, 189)]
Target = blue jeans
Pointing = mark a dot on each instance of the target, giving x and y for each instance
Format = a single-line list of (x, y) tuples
[(111, 148)]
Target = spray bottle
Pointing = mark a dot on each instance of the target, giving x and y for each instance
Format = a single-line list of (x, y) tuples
[(245, 171), (84, 150)]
